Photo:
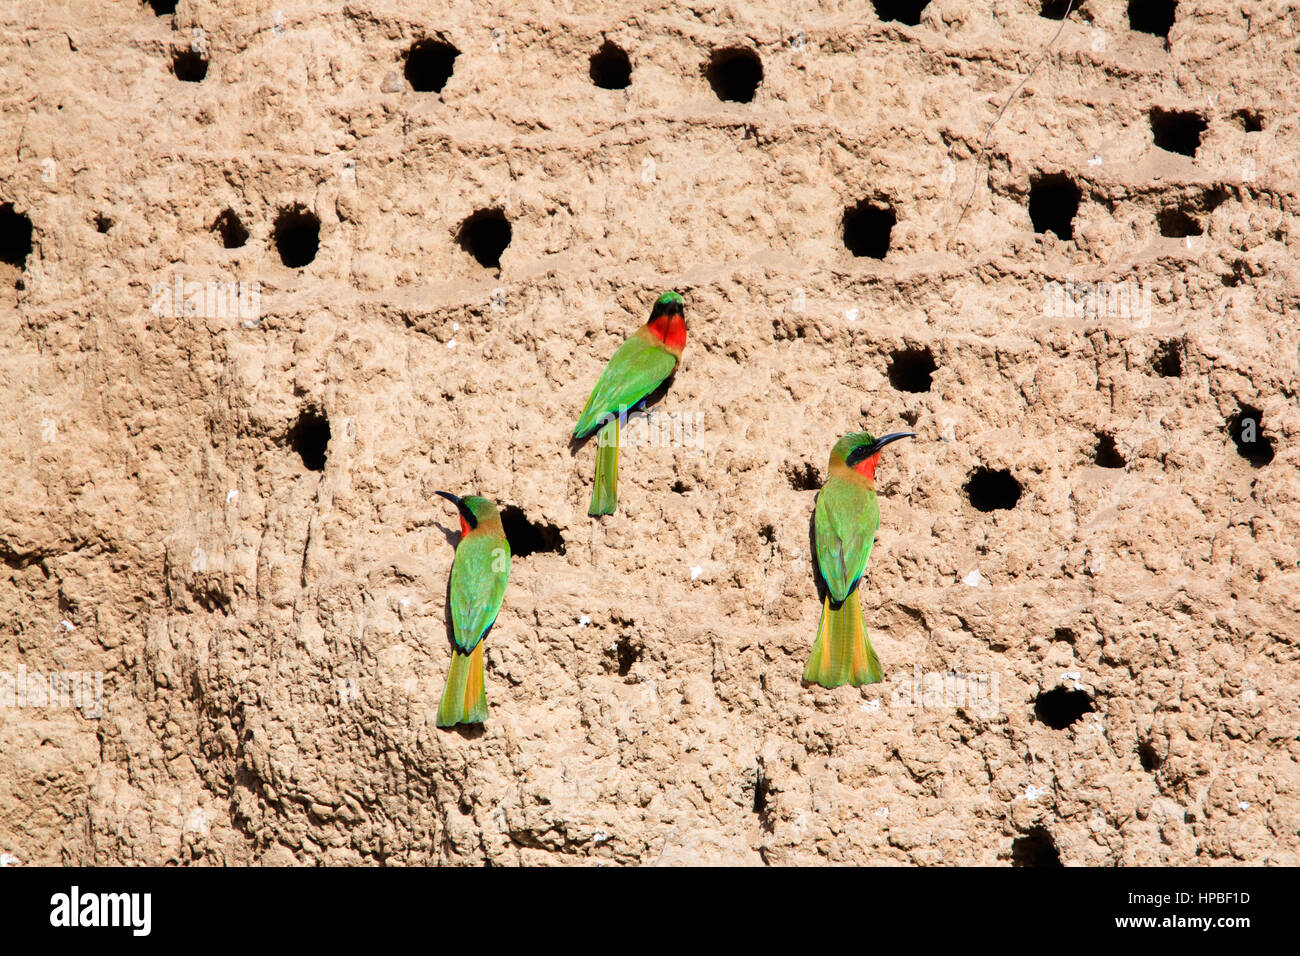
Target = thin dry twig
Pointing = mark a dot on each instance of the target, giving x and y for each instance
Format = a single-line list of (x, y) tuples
[(979, 157)]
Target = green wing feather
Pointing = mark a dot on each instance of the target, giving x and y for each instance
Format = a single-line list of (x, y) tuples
[(479, 574), (845, 523), (634, 371)]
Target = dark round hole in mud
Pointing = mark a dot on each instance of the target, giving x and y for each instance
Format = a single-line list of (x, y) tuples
[(1177, 131), (102, 223), (1168, 359), (763, 800), (802, 476), (1247, 431), (1057, 9), (297, 236), (1252, 121), (485, 235), (993, 489), (610, 67), (1053, 204), (162, 8), (310, 438), (734, 73), (906, 12), (1035, 848), (190, 66), (1060, 707), (231, 231), (1187, 218), (15, 236), (1106, 454), (527, 537), (911, 370), (867, 228), (1150, 759), (762, 790), (1152, 16), (1177, 223), (627, 654), (429, 65)]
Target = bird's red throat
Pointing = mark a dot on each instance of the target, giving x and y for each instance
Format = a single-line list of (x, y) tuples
[(669, 329), (867, 466)]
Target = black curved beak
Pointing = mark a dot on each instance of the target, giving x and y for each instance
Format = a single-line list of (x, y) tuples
[(465, 513), (884, 440)]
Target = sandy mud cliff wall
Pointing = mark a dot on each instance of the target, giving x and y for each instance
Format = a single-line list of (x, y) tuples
[(273, 272)]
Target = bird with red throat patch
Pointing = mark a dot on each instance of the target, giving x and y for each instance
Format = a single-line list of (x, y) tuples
[(845, 520), (639, 366)]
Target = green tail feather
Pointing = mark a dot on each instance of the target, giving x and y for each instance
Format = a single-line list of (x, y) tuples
[(464, 699), (843, 652), (604, 493)]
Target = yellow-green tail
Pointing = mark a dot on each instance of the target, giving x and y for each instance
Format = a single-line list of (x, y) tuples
[(604, 493), (464, 700), (842, 653)]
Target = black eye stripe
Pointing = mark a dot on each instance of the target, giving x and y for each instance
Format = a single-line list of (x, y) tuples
[(860, 454), (465, 513), (665, 308)]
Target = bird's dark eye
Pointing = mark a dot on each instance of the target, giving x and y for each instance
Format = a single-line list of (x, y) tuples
[(859, 454)]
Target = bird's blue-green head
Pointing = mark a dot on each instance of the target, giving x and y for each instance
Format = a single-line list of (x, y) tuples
[(667, 322), (670, 303), (473, 510), (861, 450)]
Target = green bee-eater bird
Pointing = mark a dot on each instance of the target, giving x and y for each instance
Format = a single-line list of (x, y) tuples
[(640, 365), (479, 573), (844, 529)]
